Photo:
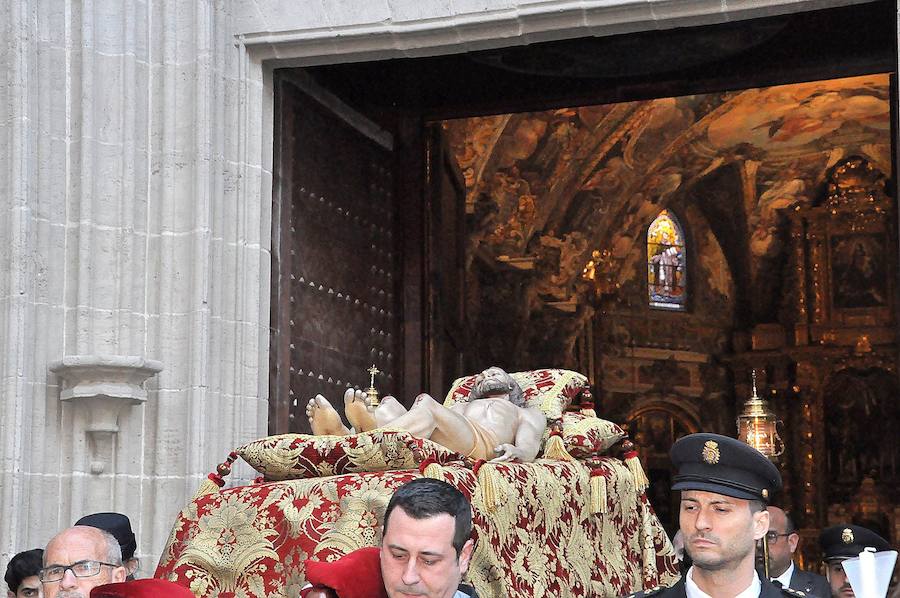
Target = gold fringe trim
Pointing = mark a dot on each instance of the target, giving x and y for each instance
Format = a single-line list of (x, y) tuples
[(556, 449), (434, 470), (641, 483), (207, 487), (488, 485), (598, 494)]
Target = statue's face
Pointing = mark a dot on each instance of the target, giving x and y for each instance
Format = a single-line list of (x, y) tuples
[(492, 382)]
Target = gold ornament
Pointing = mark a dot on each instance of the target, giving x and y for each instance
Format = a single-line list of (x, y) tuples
[(847, 535), (711, 452)]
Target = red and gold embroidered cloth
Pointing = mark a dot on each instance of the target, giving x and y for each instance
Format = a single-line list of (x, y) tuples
[(535, 532)]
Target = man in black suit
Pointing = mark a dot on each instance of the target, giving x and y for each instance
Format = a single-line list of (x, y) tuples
[(782, 539), (725, 486)]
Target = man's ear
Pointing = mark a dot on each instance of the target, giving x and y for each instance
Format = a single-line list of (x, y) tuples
[(118, 574), (10, 594), (465, 555), (760, 524), (793, 541)]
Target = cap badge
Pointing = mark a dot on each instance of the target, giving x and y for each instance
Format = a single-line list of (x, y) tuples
[(710, 452), (765, 493), (847, 536)]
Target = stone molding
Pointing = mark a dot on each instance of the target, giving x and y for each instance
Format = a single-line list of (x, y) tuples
[(430, 27), (103, 385)]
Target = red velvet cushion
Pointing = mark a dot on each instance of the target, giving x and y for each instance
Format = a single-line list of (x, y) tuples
[(142, 588), (297, 456), (354, 575), (550, 390), (585, 436)]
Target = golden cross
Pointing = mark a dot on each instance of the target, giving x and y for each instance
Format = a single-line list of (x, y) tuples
[(373, 370)]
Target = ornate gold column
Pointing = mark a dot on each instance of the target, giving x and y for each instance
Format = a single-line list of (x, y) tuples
[(816, 236), (810, 428), (798, 266)]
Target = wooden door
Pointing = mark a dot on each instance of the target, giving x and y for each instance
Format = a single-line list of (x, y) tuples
[(447, 333), (336, 269)]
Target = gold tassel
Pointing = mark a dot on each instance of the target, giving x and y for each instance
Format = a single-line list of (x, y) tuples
[(598, 493), (488, 487), (434, 470), (206, 488), (633, 463), (556, 449)]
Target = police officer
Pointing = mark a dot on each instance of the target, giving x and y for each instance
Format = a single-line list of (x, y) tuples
[(725, 487), (842, 542)]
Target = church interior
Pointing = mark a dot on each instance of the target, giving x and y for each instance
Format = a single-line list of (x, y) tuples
[(783, 193), (686, 229)]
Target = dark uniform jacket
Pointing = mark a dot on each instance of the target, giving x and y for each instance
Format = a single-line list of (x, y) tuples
[(767, 590), (810, 584)]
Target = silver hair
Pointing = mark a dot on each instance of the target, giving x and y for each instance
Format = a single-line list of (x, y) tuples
[(113, 549)]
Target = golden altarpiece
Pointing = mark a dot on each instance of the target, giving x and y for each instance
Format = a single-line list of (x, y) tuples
[(832, 370)]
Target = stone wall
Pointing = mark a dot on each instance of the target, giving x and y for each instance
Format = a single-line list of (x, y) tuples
[(136, 197)]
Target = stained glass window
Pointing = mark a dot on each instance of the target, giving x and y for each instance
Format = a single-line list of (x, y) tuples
[(666, 264)]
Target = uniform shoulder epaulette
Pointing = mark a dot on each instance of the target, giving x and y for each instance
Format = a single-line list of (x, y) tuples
[(793, 592), (648, 592)]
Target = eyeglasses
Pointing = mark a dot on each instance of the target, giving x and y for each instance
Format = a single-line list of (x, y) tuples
[(79, 569), (772, 537)]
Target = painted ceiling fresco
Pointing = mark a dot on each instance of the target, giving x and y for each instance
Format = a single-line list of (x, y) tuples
[(591, 178)]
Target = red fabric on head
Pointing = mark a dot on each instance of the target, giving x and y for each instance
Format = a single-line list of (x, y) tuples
[(142, 588), (354, 575)]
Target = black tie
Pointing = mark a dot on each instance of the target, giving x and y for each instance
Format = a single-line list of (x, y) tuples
[(777, 583)]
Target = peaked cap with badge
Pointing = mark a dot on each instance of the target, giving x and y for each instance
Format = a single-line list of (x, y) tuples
[(726, 466), (841, 542), (723, 465)]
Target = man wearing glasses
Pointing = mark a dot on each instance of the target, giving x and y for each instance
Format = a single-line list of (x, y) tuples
[(783, 539), (78, 559)]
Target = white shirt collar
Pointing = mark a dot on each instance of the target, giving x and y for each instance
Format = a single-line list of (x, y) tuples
[(693, 590), (785, 578)]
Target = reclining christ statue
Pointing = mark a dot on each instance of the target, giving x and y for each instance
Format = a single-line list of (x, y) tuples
[(494, 424)]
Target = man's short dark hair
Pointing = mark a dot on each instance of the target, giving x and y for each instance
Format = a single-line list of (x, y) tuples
[(789, 526), (25, 564), (756, 506), (426, 497)]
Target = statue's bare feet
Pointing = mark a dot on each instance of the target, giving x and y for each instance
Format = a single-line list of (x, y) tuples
[(388, 410), (323, 419), (358, 412)]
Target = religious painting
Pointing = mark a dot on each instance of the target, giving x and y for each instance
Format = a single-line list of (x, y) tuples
[(858, 271), (666, 268)]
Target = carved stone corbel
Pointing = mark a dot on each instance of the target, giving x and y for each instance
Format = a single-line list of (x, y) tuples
[(103, 385)]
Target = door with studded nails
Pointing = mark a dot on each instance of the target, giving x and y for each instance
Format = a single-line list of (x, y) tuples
[(335, 266)]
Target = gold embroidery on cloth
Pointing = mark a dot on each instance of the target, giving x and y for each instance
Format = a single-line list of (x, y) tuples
[(541, 539)]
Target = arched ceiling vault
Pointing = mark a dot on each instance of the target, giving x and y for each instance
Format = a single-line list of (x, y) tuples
[(593, 177)]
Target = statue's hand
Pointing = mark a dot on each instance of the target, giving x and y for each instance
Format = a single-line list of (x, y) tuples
[(508, 452)]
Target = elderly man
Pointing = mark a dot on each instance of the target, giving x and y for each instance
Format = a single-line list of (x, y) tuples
[(119, 526), (494, 424), (22, 574), (425, 550), (842, 542), (783, 539), (78, 559), (725, 486)]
